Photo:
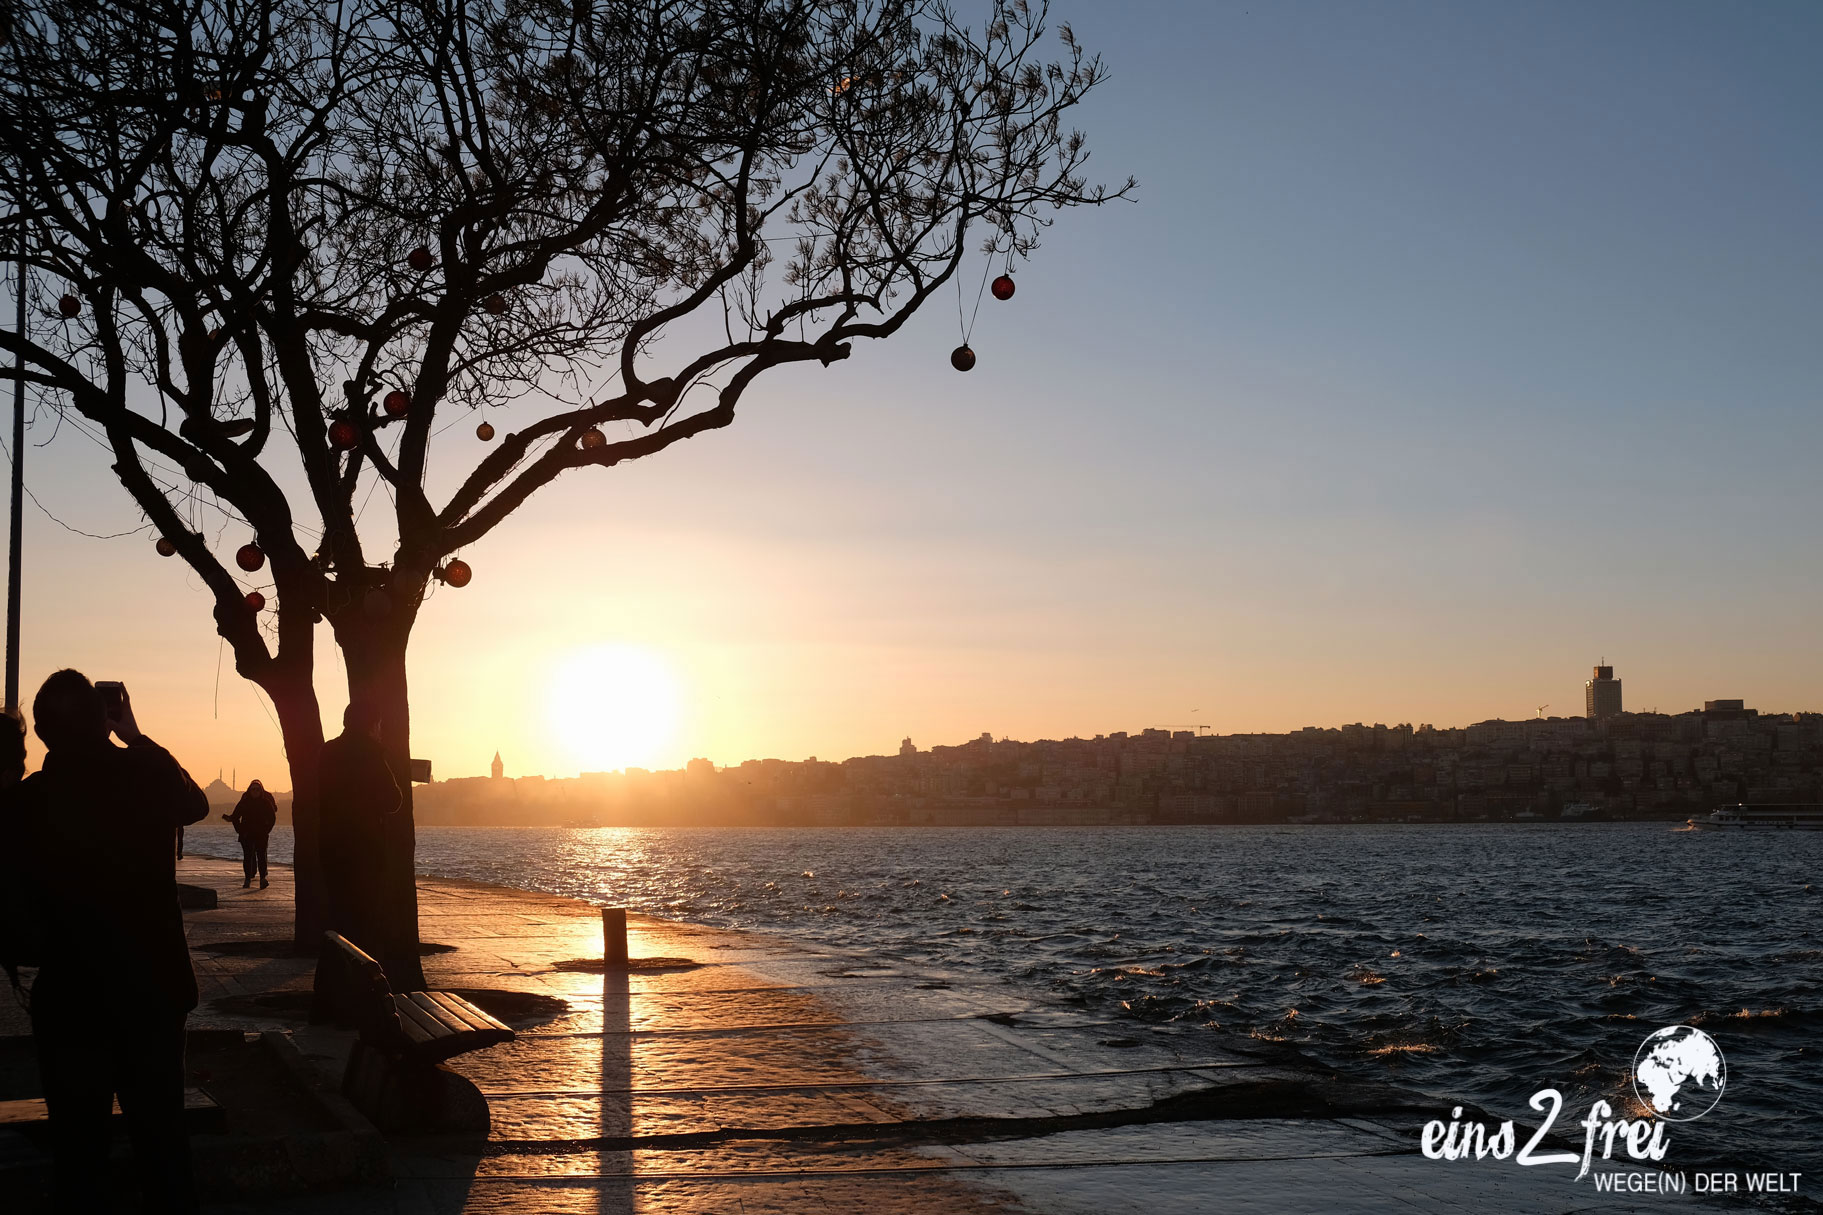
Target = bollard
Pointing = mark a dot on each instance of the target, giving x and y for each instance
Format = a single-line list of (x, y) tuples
[(614, 938)]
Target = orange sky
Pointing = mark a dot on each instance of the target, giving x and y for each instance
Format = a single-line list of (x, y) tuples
[(1426, 371)]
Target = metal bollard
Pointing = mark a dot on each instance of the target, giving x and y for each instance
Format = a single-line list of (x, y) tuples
[(614, 938)]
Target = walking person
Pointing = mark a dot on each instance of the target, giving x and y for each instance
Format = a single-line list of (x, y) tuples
[(115, 984), (253, 818)]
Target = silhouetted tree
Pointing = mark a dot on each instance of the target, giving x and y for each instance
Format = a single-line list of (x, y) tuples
[(279, 246)]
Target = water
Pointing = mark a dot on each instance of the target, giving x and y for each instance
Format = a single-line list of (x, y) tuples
[(1477, 963)]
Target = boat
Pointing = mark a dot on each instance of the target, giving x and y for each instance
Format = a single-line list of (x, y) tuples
[(1761, 817)]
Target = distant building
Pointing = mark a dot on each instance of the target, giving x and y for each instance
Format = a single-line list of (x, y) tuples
[(1601, 695), (496, 769), (906, 749)]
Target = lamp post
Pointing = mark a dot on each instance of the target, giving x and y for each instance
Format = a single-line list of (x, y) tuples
[(13, 546)]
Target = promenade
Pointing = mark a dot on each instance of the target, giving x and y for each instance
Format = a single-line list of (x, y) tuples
[(738, 1073)]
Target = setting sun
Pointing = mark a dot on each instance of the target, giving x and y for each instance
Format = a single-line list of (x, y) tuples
[(613, 707)]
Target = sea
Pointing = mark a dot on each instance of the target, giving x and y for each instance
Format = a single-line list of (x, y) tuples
[(1476, 963)]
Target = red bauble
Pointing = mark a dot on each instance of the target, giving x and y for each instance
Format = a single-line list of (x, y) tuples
[(343, 433), (165, 547), (496, 304), (484, 432), (457, 573), (962, 358), (397, 402), (69, 306), (593, 438), (255, 600), (1003, 287), (249, 557), (420, 259)]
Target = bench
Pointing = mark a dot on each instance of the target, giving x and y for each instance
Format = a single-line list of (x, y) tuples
[(395, 1074)]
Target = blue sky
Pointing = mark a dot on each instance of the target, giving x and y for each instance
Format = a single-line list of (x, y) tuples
[(1445, 349)]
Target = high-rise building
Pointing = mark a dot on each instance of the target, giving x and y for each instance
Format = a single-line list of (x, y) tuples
[(1601, 695)]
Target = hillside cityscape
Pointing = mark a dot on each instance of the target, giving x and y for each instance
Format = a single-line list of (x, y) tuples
[(1607, 764)]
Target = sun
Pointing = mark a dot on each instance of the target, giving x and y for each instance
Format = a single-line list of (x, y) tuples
[(612, 707)]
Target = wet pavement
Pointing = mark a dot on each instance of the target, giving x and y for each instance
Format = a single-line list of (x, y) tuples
[(738, 1073)]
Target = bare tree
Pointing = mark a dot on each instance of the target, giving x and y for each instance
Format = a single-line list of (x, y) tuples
[(282, 245)]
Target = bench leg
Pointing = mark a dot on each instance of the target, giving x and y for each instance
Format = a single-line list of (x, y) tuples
[(400, 1097)]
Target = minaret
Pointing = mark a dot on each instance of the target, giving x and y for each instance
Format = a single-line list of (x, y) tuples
[(497, 769)]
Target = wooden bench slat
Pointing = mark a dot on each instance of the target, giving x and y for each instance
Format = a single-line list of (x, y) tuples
[(419, 1025), (475, 1017), (424, 1003)]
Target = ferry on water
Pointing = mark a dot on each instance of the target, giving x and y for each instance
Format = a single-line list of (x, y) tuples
[(1761, 818)]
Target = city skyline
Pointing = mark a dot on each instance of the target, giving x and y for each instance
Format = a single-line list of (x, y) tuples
[(496, 767)]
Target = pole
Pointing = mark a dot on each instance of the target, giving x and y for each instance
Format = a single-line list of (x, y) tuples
[(12, 555)]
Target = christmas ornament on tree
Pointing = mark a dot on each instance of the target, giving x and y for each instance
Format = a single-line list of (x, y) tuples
[(344, 434), (592, 439), (1003, 287), (420, 259), (484, 432), (69, 306), (249, 557), (457, 573), (496, 304), (165, 547), (255, 600), (962, 358), (397, 402)]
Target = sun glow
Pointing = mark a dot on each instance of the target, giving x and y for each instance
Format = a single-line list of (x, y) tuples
[(613, 707)]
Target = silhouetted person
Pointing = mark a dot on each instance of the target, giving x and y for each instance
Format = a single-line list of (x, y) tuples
[(253, 817), (110, 1000), (357, 793)]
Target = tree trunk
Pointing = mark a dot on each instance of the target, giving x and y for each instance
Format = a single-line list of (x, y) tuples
[(375, 659), (301, 723)]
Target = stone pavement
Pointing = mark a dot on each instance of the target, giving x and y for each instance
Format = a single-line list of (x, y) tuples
[(739, 1073)]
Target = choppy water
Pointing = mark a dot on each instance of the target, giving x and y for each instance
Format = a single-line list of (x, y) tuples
[(1478, 963)]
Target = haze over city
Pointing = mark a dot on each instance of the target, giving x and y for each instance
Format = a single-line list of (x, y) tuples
[(1418, 378)]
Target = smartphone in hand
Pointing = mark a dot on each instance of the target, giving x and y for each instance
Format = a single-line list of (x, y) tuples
[(113, 697)]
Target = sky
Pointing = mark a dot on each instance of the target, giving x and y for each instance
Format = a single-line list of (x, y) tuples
[(1445, 350)]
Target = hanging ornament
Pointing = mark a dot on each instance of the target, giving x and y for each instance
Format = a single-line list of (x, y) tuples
[(69, 306), (457, 573), (962, 358), (165, 547), (377, 603), (484, 432), (1003, 287), (592, 438), (344, 434), (249, 557), (496, 304), (420, 259), (255, 600), (397, 402)]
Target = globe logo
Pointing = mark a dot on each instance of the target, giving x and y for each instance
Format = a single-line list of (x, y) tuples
[(1679, 1073)]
